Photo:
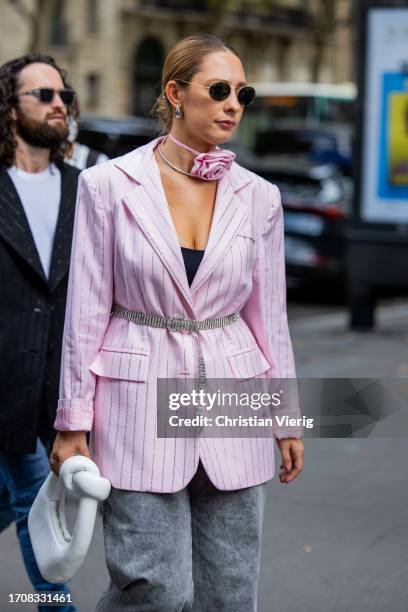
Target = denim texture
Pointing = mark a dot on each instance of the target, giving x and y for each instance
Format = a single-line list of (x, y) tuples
[(21, 477), (194, 550)]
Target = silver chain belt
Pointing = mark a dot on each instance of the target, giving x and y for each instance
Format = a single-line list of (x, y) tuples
[(178, 324)]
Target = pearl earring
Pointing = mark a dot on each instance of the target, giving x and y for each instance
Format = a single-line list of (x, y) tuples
[(179, 112)]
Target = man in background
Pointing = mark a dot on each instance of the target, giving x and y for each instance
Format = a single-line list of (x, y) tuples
[(37, 203)]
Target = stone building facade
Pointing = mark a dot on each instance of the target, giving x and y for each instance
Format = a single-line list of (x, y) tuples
[(114, 49)]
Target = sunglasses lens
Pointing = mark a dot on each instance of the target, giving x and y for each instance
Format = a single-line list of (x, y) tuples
[(67, 96), (46, 95), (219, 91), (246, 95)]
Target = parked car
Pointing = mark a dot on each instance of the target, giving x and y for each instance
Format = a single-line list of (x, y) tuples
[(328, 145), (115, 137), (306, 111), (316, 201)]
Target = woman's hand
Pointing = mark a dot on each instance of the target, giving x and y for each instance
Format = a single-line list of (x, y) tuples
[(292, 450), (66, 444)]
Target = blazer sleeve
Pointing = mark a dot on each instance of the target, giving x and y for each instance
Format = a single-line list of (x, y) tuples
[(265, 313), (88, 307)]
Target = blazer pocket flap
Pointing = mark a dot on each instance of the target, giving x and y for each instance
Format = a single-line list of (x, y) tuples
[(121, 364), (248, 362)]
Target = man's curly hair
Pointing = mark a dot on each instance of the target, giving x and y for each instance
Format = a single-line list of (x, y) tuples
[(8, 88)]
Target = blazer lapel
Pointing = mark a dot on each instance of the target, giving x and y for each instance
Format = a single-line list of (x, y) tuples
[(14, 226), (153, 216), (63, 232), (148, 204), (229, 214)]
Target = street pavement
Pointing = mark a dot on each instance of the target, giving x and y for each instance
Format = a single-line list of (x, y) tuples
[(335, 539)]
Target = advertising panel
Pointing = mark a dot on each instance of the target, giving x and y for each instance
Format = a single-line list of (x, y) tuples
[(384, 176)]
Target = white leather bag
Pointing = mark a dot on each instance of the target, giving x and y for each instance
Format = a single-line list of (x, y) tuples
[(59, 554)]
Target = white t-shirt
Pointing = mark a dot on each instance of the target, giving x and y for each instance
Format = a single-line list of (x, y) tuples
[(40, 194), (80, 154)]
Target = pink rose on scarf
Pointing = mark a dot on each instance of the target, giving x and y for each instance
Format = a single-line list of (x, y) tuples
[(213, 165)]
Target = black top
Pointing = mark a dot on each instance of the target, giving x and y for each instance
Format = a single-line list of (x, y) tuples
[(192, 259)]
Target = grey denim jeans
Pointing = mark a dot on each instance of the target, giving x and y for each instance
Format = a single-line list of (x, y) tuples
[(195, 550)]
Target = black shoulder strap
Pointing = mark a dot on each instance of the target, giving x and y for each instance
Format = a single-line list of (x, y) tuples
[(92, 157)]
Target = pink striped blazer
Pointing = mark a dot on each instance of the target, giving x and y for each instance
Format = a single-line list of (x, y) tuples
[(125, 250)]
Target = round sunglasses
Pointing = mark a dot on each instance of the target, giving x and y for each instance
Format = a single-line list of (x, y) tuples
[(46, 95), (221, 91)]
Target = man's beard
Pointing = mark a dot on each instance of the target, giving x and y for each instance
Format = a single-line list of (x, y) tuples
[(40, 133)]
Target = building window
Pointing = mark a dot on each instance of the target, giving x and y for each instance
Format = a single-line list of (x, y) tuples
[(93, 91), (58, 29), (149, 57), (92, 15)]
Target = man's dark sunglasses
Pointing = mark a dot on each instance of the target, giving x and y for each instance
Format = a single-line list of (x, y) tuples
[(220, 91), (46, 95)]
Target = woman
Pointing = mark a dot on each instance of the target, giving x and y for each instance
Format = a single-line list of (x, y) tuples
[(182, 524)]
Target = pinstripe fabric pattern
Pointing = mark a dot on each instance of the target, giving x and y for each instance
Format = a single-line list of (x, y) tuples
[(126, 251), (32, 310)]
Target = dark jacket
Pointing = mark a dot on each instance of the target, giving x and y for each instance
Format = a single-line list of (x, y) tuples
[(32, 311)]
